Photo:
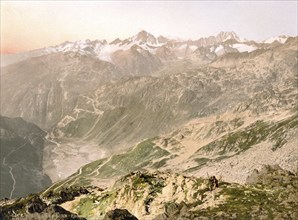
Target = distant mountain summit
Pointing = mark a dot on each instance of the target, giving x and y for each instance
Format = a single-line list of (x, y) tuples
[(144, 37), (279, 39), (224, 36), (226, 42), (156, 46)]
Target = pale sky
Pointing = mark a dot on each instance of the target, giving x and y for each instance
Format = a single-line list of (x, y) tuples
[(27, 25)]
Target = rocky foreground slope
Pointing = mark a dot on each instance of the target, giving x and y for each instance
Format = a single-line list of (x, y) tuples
[(270, 193)]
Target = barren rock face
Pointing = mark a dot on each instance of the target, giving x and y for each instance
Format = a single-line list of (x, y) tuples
[(119, 214)]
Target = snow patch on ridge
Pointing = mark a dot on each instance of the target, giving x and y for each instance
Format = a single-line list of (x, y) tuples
[(244, 47), (219, 50), (280, 39)]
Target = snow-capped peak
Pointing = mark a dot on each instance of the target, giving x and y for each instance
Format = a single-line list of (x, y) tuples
[(143, 37), (80, 46), (281, 39), (226, 35), (222, 43)]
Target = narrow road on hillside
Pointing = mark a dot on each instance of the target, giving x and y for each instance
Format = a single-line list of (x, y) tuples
[(11, 168)]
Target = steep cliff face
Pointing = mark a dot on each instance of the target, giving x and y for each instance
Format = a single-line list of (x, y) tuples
[(22, 146)]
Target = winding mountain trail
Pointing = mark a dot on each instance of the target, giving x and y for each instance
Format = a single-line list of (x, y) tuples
[(13, 179), (11, 168), (71, 178), (52, 141)]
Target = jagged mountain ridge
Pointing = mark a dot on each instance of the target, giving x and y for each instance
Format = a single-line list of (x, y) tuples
[(103, 50), (144, 40), (154, 45)]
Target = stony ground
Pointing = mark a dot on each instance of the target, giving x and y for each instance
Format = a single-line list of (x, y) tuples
[(270, 193)]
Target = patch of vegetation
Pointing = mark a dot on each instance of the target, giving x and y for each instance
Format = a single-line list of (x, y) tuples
[(198, 182), (160, 163), (241, 203), (135, 159), (256, 133), (221, 158), (237, 122), (19, 206), (81, 126), (280, 131), (108, 197), (201, 193), (192, 169), (102, 202), (85, 207), (201, 162), (90, 167), (269, 198), (223, 126), (143, 181), (82, 181)]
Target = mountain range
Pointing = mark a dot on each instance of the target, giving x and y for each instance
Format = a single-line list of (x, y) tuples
[(161, 47), (220, 105)]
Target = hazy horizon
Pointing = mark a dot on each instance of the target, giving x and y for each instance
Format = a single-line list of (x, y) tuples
[(36, 24)]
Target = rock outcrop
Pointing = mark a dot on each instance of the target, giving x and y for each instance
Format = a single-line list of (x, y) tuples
[(119, 214)]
